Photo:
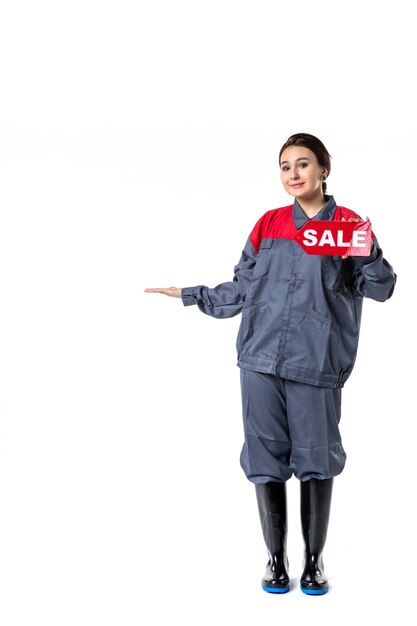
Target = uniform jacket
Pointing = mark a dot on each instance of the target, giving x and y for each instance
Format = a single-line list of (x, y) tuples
[(301, 313)]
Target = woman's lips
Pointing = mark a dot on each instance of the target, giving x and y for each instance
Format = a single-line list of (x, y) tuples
[(297, 185)]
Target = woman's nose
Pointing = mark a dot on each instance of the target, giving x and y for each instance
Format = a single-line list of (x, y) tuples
[(294, 174)]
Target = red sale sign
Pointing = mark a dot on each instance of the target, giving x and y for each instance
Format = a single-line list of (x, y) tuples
[(334, 238)]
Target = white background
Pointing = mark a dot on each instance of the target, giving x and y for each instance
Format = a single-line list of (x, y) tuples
[(138, 147)]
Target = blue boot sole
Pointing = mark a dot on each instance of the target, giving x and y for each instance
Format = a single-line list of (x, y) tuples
[(314, 592), (276, 589)]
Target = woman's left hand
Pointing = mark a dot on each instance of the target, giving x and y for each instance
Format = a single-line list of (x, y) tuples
[(353, 219)]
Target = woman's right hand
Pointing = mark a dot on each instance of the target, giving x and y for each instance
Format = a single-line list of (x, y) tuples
[(174, 292)]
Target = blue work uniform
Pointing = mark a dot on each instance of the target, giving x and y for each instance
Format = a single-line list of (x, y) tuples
[(297, 341)]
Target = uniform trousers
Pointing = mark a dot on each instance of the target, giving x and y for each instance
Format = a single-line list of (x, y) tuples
[(290, 428)]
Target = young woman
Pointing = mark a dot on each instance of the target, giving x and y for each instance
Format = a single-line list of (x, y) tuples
[(296, 345)]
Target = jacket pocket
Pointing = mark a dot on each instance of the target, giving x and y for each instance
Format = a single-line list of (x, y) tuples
[(249, 337), (335, 272), (314, 344), (262, 259)]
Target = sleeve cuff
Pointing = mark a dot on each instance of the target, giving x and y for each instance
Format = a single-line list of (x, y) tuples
[(188, 295)]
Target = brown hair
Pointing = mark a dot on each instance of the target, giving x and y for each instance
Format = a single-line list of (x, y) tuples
[(305, 140)]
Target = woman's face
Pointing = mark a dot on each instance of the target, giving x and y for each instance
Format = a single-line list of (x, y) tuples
[(301, 174)]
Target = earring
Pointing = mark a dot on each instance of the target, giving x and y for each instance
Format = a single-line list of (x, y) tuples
[(323, 177)]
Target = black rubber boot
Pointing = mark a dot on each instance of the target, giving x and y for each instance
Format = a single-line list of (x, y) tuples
[(316, 496), (272, 504)]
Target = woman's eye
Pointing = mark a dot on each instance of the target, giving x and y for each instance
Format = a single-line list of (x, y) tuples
[(284, 168), (303, 164)]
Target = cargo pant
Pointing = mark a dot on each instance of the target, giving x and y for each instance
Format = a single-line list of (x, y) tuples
[(290, 428)]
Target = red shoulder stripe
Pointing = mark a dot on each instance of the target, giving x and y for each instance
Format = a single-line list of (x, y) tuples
[(277, 223)]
